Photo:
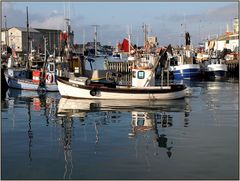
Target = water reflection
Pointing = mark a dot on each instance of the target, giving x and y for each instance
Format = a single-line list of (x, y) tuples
[(35, 101), (30, 101), (66, 140), (30, 132), (147, 120), (85, 139), (146, 116), (143, 122), (71, 107)]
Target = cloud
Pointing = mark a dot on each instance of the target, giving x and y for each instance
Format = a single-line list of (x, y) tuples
[(221, 14), (224, 13), (166, 26), (107, 33), (16, 17), (53, 22)]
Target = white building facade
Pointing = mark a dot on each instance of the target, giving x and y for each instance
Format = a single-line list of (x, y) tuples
[(227, 41)]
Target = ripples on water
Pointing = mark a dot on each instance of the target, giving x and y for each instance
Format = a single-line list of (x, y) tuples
[(49, 137)]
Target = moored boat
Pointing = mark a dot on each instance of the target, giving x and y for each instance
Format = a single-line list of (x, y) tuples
[(37, 77), (215, 68), (35, 80), (186, 71), (143, 86), (186, 67), (101, 91)]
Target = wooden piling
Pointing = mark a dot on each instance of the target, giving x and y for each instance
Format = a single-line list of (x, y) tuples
[(233, 68)]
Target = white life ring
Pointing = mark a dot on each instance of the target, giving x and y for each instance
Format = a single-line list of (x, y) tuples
[(49, 78)]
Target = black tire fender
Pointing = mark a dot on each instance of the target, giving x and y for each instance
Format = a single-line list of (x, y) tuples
[(93, 92)]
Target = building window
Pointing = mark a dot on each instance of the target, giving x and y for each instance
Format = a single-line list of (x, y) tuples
[(141, 74)]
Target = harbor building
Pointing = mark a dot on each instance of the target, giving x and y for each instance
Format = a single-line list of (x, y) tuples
[(230, 40), (152, 40), (4, 40), (17, 39)]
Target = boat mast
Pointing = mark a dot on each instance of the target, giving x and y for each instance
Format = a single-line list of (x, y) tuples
[(83, 41), (6, 32), (95, 38), (129, 39), (28, 38), (145, 36), (68, 29)]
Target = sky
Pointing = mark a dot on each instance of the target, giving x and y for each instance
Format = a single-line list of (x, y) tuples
[(166, 20)]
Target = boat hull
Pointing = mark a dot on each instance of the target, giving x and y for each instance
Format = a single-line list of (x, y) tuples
[(72, 90), (217, 71), (28, 84), (186, 71)]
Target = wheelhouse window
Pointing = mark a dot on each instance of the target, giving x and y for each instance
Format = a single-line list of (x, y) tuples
[(141, 74)]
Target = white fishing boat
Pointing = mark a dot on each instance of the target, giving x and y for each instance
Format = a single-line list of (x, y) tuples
[(215, 68), (142, 88)]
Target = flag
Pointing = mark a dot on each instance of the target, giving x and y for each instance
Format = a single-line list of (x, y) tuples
[(60, 36), (65, 36)]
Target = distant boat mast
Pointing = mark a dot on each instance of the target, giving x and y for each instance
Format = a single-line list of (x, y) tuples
[(67, 28), (95, 38), (6, 32), (28, 38), (145, 30), (129, 38), (83, 41)]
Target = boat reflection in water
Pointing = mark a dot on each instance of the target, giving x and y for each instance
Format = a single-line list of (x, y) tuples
[(87, 130), (143, 122), (73, 106), (34, 102), (148, 117), (47, 103)]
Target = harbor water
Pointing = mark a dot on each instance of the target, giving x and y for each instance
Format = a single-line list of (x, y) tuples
[(45, 136)]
